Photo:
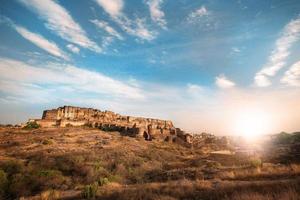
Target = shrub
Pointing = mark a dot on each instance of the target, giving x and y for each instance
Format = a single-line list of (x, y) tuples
[(48, 178), (103, 181), (213, 164), (90, 191), (283, 138), (296, 137), (32, 125), (255, 162), (48, 173), (69, 125), (69, 164), (3, 183), (88, 125), (47, 142), (22, 185), (13, 167)]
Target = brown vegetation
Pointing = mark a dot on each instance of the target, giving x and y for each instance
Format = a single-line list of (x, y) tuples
[(77, 163)]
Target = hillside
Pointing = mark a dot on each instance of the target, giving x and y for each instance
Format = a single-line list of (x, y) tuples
[(82, 162)]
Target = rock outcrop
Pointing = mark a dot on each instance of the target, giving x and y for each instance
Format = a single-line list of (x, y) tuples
[(107, 120)]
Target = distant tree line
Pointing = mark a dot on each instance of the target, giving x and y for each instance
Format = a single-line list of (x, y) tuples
[(287, 138)]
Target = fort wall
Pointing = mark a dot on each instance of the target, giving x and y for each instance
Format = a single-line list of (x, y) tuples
[(75, 116)]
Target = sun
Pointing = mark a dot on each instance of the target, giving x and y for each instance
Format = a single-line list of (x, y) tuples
[(251, 124)]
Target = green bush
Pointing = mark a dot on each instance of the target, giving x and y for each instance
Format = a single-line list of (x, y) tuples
[(3, 183), (103, 181), (22, 185), (49, 178), (90, 191), (13, 167), (32, 125), (49, 173), (296, 137), (255, 162), (69, 164), (115, 178)]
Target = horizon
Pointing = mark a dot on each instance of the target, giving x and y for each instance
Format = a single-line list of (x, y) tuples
[(124, 114), (208, 66)]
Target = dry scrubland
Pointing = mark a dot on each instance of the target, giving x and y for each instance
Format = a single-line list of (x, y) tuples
[(86, 163)]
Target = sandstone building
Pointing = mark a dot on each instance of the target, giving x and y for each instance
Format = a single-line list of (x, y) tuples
[(147, 128), (107, 120)]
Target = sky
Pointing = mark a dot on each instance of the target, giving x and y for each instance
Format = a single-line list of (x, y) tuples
[(202, 64)]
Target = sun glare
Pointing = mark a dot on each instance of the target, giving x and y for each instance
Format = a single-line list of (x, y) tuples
[(251, 124)]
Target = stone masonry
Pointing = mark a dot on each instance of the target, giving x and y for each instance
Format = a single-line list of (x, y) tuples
[(107, 120)]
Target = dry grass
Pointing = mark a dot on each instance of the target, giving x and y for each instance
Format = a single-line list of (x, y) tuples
[(270, 171), (128, 168), (213, 190)]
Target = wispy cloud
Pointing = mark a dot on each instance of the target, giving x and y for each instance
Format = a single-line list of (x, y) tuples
[(235, 50), (104, 25), (157, 15), (292, 76), (61, 22), (41, 42), (194, 89), (55, 76), (135, 27), (18, 92), (198, 14), (277, 59), (37, 39), (203, 19), (138, 28), (223, 82), (73, 48)]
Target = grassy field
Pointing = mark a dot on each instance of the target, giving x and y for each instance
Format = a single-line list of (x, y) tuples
[(86, 163)]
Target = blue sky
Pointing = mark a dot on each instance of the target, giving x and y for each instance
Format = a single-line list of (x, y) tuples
[(180, 60)]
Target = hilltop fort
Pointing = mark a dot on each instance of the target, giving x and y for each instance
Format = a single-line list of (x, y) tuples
[(107, 120)]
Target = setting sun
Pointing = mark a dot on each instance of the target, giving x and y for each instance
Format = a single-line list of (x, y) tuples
[(251, 124)]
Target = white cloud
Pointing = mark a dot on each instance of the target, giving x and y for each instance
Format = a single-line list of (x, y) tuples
[(198, 14), (61, 22), (107, 41), (19, 92), (292, 76), (135, 27), (223, 82), (55, 76), (194, 89), (104, 25), (278, 57), (157, 15), (56, 85), (112, 7), (73, 48), (41, 42), (235, 49), (262, 80), (139, 29)]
